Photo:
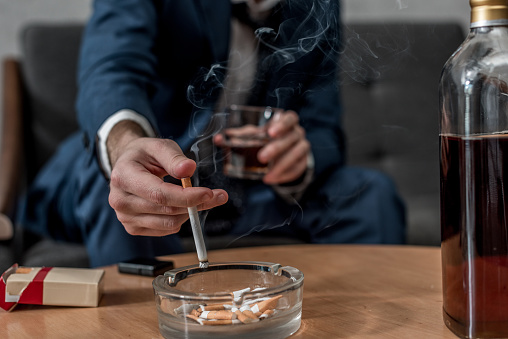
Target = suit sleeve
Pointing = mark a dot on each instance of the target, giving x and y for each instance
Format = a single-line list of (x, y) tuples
[(116, 64)]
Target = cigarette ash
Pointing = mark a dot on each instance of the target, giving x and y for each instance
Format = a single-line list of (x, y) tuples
[(248, 312)]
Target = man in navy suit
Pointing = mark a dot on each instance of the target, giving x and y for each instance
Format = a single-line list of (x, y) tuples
[(151, 74)]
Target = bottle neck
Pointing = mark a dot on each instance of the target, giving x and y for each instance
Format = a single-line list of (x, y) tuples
[(488, 23), (489, 32), (486, 13)]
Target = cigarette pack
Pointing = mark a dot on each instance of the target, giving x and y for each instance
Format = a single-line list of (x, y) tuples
[(56, 286)]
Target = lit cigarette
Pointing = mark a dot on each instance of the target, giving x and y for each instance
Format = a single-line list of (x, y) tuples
[(196, 230), (266, 304)]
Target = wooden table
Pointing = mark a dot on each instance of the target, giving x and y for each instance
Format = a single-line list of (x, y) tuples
[(350, 291)]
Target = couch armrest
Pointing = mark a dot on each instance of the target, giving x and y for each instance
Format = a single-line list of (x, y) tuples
[(11, 147)]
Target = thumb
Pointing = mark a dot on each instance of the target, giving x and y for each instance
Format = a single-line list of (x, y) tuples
[(169, 155)]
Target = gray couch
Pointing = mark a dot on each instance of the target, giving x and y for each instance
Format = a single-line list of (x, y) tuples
[(389, 76)]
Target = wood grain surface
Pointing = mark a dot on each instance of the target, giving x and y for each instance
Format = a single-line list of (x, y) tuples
[(350, 291)]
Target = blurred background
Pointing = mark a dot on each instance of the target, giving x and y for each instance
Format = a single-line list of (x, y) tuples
[(16, 13), (408, 83)]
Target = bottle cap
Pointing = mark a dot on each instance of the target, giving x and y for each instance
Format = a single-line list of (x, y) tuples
[(489, 12)]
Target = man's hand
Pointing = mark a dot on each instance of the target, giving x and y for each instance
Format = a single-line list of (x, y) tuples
[(288, 150), (144, 203), (286, 153)]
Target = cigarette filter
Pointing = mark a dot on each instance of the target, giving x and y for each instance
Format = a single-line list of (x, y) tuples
[(248, 312), (244, 318), (220, 315), (185, 308), (266, 314), (196, 313), (213, 322), (212, 307)]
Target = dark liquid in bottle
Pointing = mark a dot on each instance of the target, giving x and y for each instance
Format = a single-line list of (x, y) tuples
[(474, 233)]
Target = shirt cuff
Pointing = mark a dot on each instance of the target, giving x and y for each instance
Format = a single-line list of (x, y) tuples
[(107, 126), (293, 193)]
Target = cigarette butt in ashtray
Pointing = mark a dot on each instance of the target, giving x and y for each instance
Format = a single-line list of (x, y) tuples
[(225, 314), (266, 304), (244, 318), (248, 312), (184, 308), (196, 313), (213, 322), (196, 308), (212, 307), (219, 315), (266, 314)]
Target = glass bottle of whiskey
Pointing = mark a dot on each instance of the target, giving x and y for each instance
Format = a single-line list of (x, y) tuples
[(473, 94)]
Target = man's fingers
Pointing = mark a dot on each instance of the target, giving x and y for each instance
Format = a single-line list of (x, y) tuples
[(282, 123), (158, 224), (121, 201), (280, 146), (220, 197), (167, 154), (218, 140), (144, 203), (290, 166), (152, 225), (137, 181)]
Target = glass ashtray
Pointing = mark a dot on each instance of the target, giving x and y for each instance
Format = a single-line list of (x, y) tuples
[(229, 300)]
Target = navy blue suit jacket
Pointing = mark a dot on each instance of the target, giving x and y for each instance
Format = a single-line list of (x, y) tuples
[(165, 59)]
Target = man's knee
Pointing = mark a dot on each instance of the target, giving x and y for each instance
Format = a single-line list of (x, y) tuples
[(390, 212), (363, 206)]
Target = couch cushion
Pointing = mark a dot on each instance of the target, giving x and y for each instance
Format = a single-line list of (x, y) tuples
[(389, 76), (6, 256), (49, 252), (49, 63)]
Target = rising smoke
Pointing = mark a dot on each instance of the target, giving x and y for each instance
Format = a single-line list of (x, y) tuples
[(295, 33), (301, 29)]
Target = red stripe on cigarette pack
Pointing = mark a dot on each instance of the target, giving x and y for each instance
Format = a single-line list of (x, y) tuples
[(33, 293)]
